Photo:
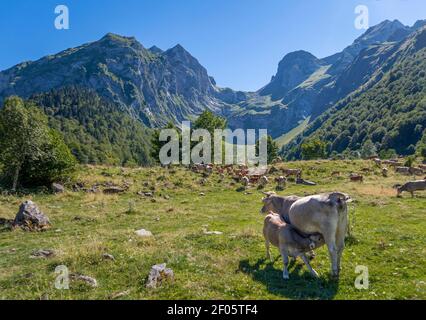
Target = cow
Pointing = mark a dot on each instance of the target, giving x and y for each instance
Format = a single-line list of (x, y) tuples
[(279, 204), (356, 178), (292, 172), (263, 181), (411, 187), (416, 171), (289, 241), (422, 166), (245, 181), (402, 170), (377, 161), (385, 172), (324, 214), (281, 181)]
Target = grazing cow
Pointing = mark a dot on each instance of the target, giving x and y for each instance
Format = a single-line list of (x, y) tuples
[(245, 181), (289, 241), (378, 162), (292, 172), (335, 174), (263, 181), (402, 170), (326, 214), (356, 178), (416, 171), (411, 187), (281, 181), (385, 172), (422, 166)]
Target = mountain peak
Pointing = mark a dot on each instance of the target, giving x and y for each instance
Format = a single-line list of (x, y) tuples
[(156, 50)]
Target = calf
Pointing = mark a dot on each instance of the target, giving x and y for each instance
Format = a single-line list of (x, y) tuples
[(416, 171), (357, 178), (411, 187), (402, 170), (289, 241), (281, 181)]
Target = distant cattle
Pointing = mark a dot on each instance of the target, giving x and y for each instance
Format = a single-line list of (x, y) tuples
[(411, 187), (263, 181), (281, 181), (416, 171), (378, 161), (385, 172), (356, 178), (245, 181), (402, 170), (292, 172)]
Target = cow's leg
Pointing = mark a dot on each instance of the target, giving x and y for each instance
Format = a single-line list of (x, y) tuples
[(412, 194), (268, 249), (330, 240), (340, 239), (306, 261), (284, 254)]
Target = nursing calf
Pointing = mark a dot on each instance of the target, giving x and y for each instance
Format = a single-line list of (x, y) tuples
[(289, 242)]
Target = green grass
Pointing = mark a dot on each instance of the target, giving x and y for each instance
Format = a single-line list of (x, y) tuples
[(289, 136), (389, 237)]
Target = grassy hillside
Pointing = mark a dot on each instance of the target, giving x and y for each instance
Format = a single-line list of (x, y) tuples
[(389, 237), (289, 136), (391, 114)]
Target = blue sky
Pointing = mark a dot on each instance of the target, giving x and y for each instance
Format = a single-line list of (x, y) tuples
[(240, 42)]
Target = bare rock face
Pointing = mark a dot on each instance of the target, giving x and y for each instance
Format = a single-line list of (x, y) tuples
[(30, 218), (159, 274)]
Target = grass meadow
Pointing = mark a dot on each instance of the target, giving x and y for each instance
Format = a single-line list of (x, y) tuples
[(388, 236)]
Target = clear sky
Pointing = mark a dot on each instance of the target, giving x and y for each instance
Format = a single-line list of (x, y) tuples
[(240, 42)]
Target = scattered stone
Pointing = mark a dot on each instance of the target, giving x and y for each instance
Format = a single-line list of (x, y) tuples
[(107, 256), (42, 254), (88, 280), (30, 218), (305, 182), (159, 274), (216, 233), (144, 233), (202, 194), (114, 190), (118, 295), (58, 188), (166, 197)]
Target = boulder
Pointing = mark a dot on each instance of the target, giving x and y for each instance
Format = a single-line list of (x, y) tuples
[(159, 274), (144, 233), (114, 190), (42, 254), (30, 218), (58, 188), (86, 279)]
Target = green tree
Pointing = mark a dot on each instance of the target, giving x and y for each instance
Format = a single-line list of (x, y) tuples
[(313, 149), (272, 148), (31, 151), (368, 149)]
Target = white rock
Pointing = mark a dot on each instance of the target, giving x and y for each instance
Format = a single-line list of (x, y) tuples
[(144, 233)]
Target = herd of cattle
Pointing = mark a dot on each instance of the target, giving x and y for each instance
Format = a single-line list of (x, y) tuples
[(298, 225), (251, 176)]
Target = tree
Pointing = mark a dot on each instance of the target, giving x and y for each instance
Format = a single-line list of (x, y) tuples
[(368, 149), (313, 149), (272, 148), (31, 151), (207, 120)]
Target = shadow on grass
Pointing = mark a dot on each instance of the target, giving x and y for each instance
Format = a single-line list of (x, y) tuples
[(300, 286)]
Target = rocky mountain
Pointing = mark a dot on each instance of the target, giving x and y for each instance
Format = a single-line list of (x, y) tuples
[(151, 85), (306, 86), (387, 112)]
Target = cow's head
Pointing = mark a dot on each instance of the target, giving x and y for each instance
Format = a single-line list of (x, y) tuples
[(268, 203)]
